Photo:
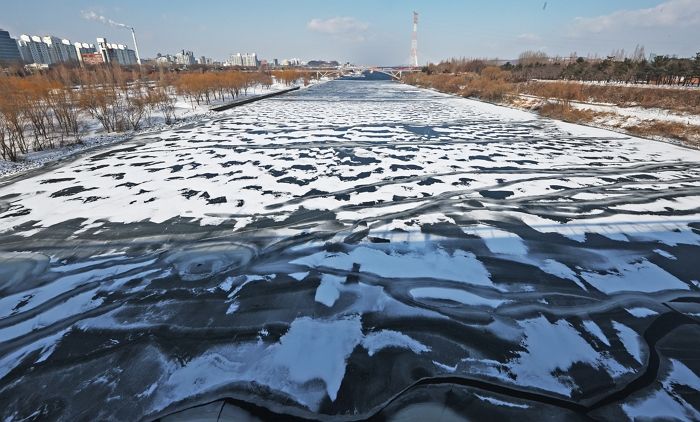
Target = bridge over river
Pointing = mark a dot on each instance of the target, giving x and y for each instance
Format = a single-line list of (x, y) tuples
[(391, 73), (355, 250)]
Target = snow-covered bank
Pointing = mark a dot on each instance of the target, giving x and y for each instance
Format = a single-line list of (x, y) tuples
[(185, 112), (651, 123), (635, 113), (96, 139)]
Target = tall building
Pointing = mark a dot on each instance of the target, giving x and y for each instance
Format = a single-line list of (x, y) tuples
[(291, 62), (60, 50), (244, 60), (34, 50), (250, 60), (46, 50), (9, 52), (116, 53), (236, 60), (185, 58)]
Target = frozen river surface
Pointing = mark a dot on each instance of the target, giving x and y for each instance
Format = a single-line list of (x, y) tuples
[(354, 250)]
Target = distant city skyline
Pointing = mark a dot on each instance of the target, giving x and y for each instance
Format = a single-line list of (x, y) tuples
[(365, 32)]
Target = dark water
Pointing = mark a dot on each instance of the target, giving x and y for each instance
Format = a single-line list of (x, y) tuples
[(355, 250)]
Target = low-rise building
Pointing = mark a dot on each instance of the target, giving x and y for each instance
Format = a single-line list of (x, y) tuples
[(84, 49)]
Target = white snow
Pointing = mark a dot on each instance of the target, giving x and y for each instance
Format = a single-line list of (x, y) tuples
[(552, 346), (455, 295), (497, 402), (460, 267), (630, 339), (641, 312), (666, 403), (379, 340), (594, 329), (314, 349), (328, 291), (311, 350), (642, 276), (660, 405), (498, 241)]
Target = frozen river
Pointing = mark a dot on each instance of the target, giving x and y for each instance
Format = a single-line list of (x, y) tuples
[(355, 249)]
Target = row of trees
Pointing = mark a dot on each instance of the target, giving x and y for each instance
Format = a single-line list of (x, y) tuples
[(661, 70), (203, 88), (493, 82), (50, 109), (619, 67), (490, 82), (44, 111)]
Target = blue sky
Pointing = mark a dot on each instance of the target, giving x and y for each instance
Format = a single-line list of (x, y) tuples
[(370, 31)]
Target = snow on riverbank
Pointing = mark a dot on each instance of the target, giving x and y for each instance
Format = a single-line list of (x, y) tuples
[(186, 112)]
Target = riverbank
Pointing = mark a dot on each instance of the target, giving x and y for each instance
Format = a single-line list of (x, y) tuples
[(662, 114), (185, 113)]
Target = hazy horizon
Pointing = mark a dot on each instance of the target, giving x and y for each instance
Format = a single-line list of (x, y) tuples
[(367, 33)]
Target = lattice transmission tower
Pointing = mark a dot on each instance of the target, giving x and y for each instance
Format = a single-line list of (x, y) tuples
[(414, 41)]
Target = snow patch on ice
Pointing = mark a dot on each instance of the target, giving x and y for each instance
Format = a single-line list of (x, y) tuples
[(641, 312), (501, 402), (630, 339), (594, 329), (641, 276), (329, 290), (553, 346), (455, 295), (461, 266), (376, 341)]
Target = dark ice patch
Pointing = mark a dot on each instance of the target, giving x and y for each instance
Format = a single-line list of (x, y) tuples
[(204, 175), (378, 239), (296, 181), (73, 190), (63, 179), (429, 181), (217, 200), (314, 192), (188, 193), (361, 175), (395, 167), (366, 189), (480, 157), (495, 194), (128, 184), (463, 181)]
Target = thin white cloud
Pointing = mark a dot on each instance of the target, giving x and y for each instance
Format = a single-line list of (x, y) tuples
[(529, 37), (337, 26), (670, 13)]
